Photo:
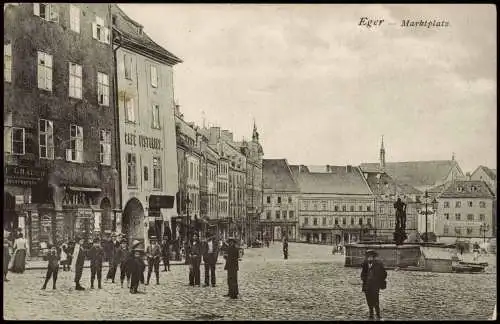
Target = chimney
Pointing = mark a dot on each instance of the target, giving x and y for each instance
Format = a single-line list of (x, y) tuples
[(467, 176), (327, 168)]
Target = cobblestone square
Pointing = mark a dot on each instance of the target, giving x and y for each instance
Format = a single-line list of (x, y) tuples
[(311, 285)]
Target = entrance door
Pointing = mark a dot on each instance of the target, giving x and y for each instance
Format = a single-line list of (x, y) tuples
[(132, 223), (10, 217)]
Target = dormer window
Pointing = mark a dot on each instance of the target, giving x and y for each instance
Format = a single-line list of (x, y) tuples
[(460, 189)]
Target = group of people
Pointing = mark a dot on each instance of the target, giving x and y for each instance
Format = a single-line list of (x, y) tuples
[(208, 251)]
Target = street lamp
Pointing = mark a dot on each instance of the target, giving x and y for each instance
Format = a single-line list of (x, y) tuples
[(426, 203), (484, 228)]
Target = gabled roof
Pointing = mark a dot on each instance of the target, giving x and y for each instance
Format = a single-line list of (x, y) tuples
[(129, 30), (467, 189), (382, 184), (338, 181), (277, 176), (491, 173), (415, 173), (295, 170)]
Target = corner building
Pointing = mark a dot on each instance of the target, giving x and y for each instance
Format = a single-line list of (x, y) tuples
[(59, 143), (147, 130)]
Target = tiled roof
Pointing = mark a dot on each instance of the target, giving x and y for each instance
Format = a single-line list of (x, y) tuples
[(337, 181), (277, 176), (129, 30), (467, 189), (295, 170), (415, 173), (385, 185)]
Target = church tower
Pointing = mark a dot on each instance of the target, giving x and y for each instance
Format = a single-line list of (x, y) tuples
[(255, 134), (382, 154)]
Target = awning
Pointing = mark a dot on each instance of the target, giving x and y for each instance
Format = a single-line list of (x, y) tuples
[(88, 189)]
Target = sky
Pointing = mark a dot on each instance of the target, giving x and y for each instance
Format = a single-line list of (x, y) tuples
[(323, 90)]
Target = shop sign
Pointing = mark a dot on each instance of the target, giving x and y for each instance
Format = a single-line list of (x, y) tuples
[(143, 141), (23, 175)]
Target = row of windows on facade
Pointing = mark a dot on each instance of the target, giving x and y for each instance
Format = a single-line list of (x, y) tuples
[(470, 217), (132, 172), (278, 199), (46, 142), (280, 213), (50, 12), (331, 221), (336, 208), (75, 89), (458, 204), (468, 230)]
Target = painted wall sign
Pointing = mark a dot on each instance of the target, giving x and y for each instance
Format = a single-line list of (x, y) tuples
[(143, 141), (23, 175)]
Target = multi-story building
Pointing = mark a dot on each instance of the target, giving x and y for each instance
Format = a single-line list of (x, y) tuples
[(335, 206), (465, 212), (59, 121), (188, 159), (237, 173), (208, 183), (146, 128), (281, 196), (254, 184)]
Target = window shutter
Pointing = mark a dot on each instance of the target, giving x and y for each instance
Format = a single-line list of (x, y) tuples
[(36, 9), (107, 35), (94, 30), (54, 13)]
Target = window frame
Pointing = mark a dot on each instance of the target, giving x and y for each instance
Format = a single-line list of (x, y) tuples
[(157, 177), (155, 80), (75, 72), (100, 32), (47, 70), (49, 145), (14, 129), (156, 116), (127, 66), (51, 11), (105, 147), (101, 86), (78, 141), (131, 166)]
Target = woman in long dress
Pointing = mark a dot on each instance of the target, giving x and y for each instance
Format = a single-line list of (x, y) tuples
[(19, 256)]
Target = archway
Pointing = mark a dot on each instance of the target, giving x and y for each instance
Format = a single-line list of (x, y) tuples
[(106, 217), (132, 220), (10, 217)]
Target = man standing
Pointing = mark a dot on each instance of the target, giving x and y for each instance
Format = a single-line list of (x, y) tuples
[(136, 267), (194, 256), (285, 247), (232, 259), (165, 250), (210, 254), (125, 257), (373, 276), (96, 255), (77, 262), (153, 253)]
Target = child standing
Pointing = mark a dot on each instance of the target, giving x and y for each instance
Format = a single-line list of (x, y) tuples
[(136, 269), (52, 267), (96, 254), (64, 257)]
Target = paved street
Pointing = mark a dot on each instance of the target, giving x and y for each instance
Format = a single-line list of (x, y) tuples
[(311, 285)]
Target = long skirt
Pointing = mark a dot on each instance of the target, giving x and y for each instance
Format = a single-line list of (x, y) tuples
[(19, 262)]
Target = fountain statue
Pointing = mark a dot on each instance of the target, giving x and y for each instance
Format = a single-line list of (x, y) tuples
[(400, 230)]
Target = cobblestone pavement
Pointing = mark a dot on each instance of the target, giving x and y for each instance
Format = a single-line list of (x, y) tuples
[(311, 285)]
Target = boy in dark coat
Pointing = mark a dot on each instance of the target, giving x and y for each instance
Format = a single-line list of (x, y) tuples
[(52, 267), (96, 255), (210, 254), (165, 252), (125, 259), (373, 276), (285, 248), (232, 259), (136, 267)]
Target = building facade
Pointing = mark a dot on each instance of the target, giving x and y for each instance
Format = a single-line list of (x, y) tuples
[(208, 185), (465, 212), (281, 196), (147, 129), (336, 206), (61, 177), (487, 175)]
